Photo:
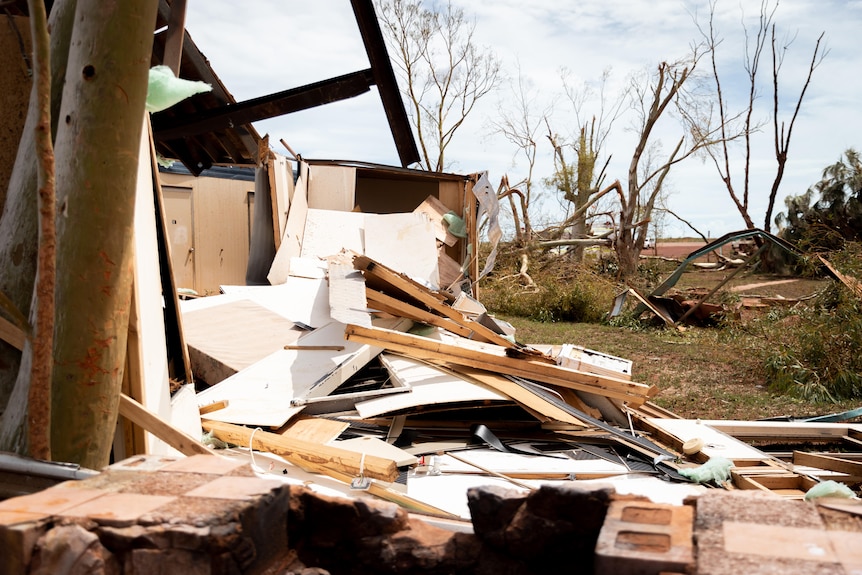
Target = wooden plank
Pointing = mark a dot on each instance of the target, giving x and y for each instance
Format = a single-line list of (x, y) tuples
[(852, 283), (138, 414), (305, 453), (210, 407), (424, 348), (434, 210), (771, 430), (394, 306), (168, 298), (174, 37), (828, 463), (519, 394), (134, 440), (374, 446), (12, 334), (432, 301)]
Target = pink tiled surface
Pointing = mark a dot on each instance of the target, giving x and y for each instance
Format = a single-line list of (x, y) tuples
[(237, 488), (52, 501), (212, 464), (118, 506), (846, 545), (12, 518)]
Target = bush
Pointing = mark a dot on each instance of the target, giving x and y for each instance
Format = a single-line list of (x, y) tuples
[(818, 359), (563, 291)]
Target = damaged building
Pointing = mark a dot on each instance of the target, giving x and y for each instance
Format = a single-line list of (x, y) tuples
[(313, 382)]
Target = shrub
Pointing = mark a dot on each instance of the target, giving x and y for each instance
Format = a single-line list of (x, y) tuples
[(819, 358), (562, 290)]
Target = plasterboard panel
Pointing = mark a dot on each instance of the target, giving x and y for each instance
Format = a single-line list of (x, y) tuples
[(332, 188), (299, 299), (327, 232), (716, 443), (347, 301), (405, 243), (281, 183), (153, 391), (261, 394), (235, 335), (430, 386), (291, 240)]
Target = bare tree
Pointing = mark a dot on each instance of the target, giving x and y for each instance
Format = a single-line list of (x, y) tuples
[(520, 124), (667, 89), (755, 43), (443, 71), (579, 182)]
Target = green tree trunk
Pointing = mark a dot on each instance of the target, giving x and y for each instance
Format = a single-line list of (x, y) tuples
[(96, 160), (19, 227)]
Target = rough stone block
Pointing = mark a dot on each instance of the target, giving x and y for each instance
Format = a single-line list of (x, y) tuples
[(760, 533)]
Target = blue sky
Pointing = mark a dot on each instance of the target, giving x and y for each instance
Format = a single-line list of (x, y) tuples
[(277, 45)]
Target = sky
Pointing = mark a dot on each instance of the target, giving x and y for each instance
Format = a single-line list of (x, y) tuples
[(274, 45)]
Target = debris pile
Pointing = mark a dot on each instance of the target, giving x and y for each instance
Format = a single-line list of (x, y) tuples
[(357, 367)]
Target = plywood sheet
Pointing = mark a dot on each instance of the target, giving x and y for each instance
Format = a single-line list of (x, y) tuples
[(314, 429), (430, 386), (405, 243)]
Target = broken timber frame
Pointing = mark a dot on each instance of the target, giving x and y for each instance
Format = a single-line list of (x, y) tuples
[(438, 352)]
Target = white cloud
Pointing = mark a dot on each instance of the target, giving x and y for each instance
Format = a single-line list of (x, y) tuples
[(271, 45)]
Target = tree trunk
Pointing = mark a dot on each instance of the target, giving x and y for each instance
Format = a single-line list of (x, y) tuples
[(19, 233), (19, 223), (96, 160)]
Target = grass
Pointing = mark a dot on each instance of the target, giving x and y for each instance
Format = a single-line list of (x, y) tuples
[(718, 372), (701, 373)]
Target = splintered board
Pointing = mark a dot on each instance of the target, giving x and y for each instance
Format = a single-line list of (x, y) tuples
[(429, 385)]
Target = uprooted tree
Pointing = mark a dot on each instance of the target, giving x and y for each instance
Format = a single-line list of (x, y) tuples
[(100, 56)]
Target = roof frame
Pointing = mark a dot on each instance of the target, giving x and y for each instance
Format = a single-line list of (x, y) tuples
[(189, 131)]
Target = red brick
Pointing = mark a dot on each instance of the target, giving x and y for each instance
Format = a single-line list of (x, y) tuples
[(643, 537)]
